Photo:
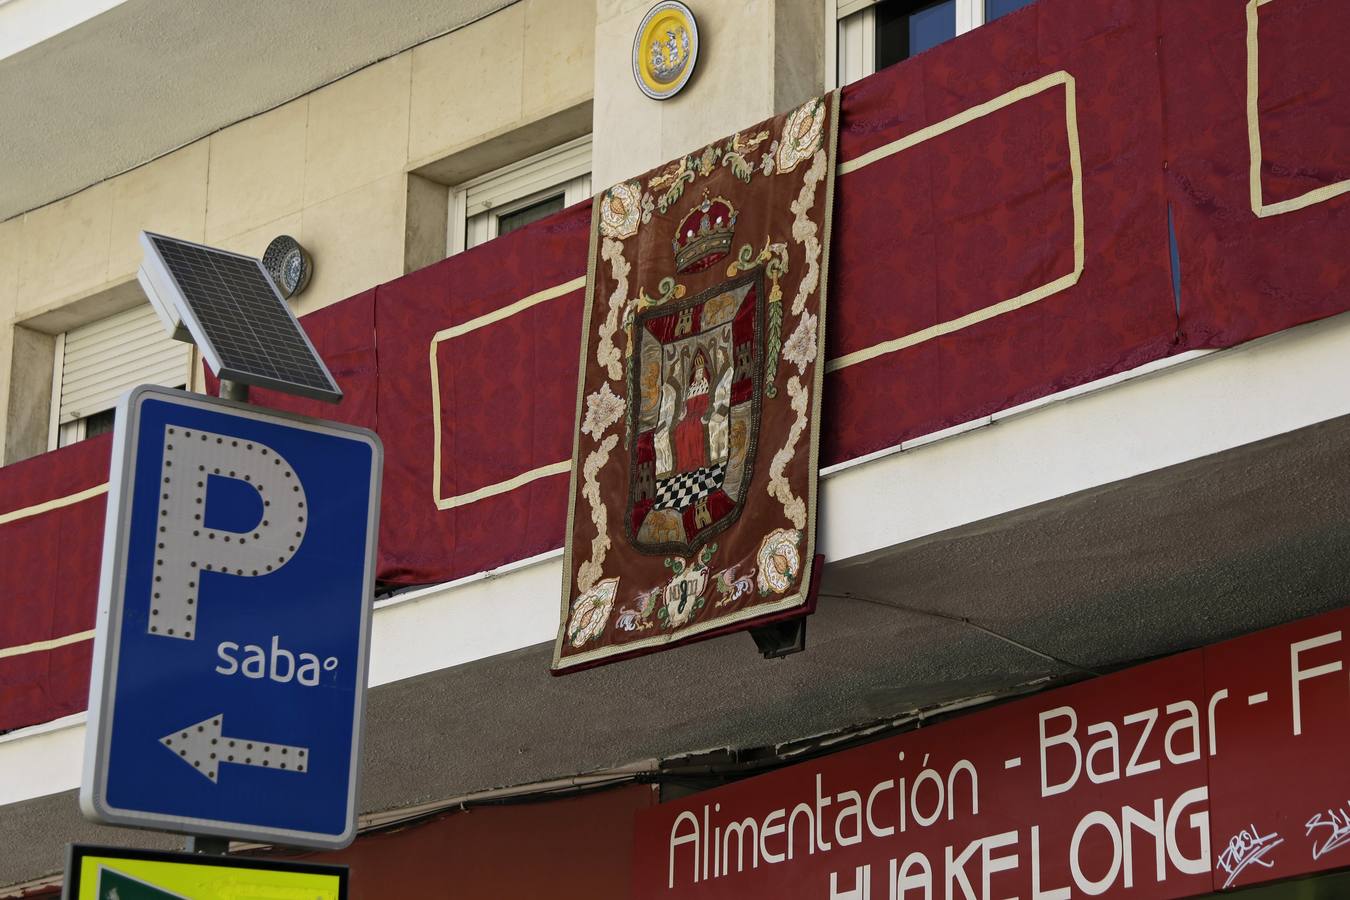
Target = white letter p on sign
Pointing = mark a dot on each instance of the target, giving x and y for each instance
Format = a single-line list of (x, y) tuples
[(186, 547)]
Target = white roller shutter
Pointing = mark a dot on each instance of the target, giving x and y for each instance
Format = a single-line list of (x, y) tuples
[(847, 8), (475, 206), (856, 53), (105, 358), (541, 172)]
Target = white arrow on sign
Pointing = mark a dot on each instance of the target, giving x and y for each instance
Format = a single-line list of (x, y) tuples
[(204, 747)]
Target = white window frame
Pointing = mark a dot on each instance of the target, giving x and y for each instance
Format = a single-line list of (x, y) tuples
[(475, 205), (63, 429), (854, 49)]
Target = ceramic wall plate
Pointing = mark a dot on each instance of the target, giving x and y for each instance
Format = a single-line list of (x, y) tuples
[(289, 265), (665, 50)]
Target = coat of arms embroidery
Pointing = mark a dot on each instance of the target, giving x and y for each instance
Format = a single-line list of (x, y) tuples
[(695, 381), (694, 475)]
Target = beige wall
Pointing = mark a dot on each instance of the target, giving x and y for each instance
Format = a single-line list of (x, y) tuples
[(500, 74), (9, 285), (30, 392), (329, 168)]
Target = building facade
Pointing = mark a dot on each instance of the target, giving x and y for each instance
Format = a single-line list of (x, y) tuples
[(1082, 444)]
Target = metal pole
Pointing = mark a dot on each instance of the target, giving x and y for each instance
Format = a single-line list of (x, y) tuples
[(199, 843), (233, 390)]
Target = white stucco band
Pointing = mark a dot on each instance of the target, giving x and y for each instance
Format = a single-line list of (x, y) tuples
[(1147, 419)]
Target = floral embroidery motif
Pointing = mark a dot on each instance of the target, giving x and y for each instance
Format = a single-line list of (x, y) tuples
[(779, 488), (671, 181), (805, 232), (669, 185), (606, 354), (589, 571), (590, 612), (620, 209), (800, 349), (766, 161), (603, 409), (779, 560), (802, 134), (738, 148)]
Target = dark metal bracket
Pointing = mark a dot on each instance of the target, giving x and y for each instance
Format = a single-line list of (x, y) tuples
[(779, 639)]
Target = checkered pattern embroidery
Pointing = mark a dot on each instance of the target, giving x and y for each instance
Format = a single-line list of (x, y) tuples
[(687, 488)]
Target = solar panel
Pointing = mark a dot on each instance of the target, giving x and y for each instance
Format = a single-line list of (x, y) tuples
[(230, 306)]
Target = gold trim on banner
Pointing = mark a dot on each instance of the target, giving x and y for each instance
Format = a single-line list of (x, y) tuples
[(1259, 205), (1040, 85), (38, 646), (593, 247), (497, 315), (36, 510), (40, 508)]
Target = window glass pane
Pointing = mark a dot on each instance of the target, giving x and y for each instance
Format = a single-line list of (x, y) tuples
[(906, 28), (995, 8), (931, 26), (532, 213), (99, 423)]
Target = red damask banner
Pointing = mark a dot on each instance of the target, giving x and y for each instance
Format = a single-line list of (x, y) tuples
[(694, 466), (51, 538), (477, 383), (1258, 149), (1002, 223)]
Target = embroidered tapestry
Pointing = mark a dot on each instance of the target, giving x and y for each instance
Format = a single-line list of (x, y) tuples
[(692, 505)]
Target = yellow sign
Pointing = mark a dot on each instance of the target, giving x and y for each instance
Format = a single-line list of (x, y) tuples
[(106, 873), (665, 50)]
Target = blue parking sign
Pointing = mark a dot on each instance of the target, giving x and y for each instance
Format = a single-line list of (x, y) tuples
[(230, 658)]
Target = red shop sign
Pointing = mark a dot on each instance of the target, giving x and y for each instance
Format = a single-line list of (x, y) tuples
[(1217, 768)]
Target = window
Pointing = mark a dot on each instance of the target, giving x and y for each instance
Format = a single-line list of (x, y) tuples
[(874, 34), (906, 29), (509, 222), (516, 195), (96, 363), (995, 8)]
